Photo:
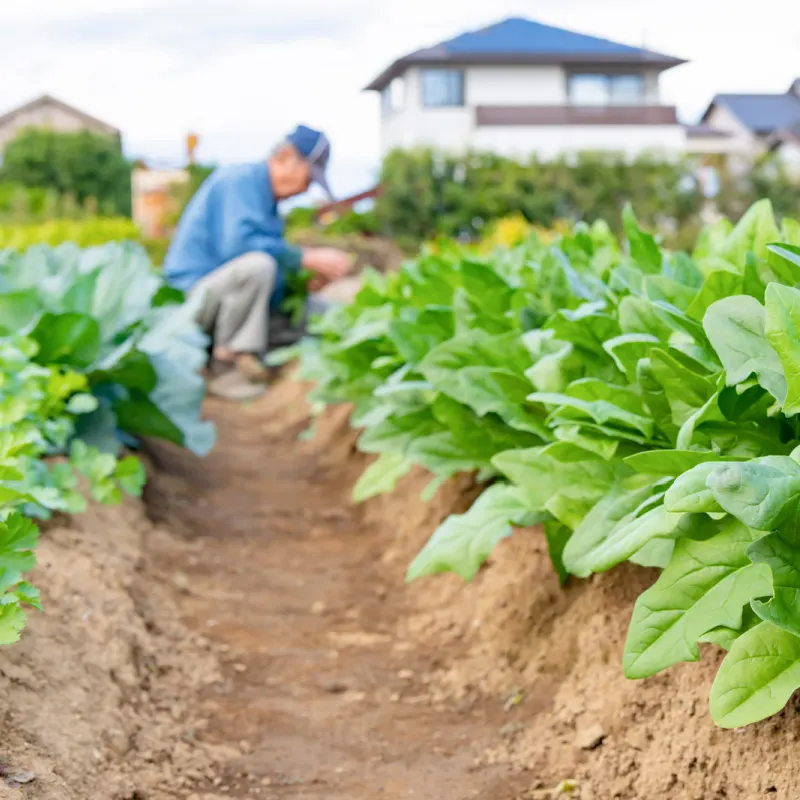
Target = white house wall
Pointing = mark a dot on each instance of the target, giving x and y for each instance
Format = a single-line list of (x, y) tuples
[(550, 141)]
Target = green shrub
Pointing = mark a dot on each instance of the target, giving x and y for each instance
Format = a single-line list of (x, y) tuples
[(82, 165)]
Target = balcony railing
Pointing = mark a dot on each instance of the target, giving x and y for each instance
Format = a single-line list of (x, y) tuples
[(575, 115)]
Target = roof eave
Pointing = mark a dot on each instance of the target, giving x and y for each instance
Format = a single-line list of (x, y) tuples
[(466, 59)]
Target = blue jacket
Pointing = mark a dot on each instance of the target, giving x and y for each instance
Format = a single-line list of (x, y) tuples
[(232, 213)]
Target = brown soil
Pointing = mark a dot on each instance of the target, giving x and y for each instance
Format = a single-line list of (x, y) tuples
[(302, 666)]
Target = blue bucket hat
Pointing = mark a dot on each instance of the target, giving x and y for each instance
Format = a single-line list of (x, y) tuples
[(315, 148)]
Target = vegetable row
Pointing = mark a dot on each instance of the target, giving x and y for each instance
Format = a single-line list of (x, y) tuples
[(640, 405), (95, 355)]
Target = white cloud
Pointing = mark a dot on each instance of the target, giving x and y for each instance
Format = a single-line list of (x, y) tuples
[(242, 72)]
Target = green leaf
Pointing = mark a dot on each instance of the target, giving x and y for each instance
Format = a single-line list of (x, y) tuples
[(782, 330), (736, 327), (557, 536), (782, 555), (757, 678), (126, 367), (618, 506), (761, 494), (789, 252), (71, 339), (706, 585), (12, 621), (643, 247), (719, 284), (463, 542), (686, 391), (754, 231), (627, 537), (690, 494), (381, 476), (420, 330), (18, 538), (602, 402), (131, 475), (541, 477), (18, 310), (82, 404), (140, 416), (655, 554), (485, 373), (669, 462), (627, 350)]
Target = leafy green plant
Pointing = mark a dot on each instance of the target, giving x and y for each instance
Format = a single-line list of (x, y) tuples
[(39, 410), (107, 314), (95, 352), (640, 403)]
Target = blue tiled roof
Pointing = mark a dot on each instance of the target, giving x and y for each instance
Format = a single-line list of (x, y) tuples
[(525, 41), (762, 113), (517, 35)]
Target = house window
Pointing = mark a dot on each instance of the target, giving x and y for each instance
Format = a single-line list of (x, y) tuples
[(393, 97), (442, 88), (606, 90)]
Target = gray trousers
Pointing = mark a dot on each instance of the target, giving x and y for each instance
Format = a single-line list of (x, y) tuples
[(235, 306)]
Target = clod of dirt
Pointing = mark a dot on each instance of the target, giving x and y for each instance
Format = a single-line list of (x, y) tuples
[(590, 737), (333, 686)]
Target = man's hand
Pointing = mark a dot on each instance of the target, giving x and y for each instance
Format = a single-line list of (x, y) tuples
[(317, 283), (328, 262)]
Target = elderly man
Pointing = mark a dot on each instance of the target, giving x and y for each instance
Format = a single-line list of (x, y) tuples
[(229, 245)]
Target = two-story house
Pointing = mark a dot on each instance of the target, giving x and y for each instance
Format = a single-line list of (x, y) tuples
[(520, 87)]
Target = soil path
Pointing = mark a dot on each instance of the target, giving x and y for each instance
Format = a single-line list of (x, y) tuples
[(323, 697)]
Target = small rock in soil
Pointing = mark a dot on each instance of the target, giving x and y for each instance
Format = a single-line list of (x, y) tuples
[(181, 582), (405, 674), (590, 737), (240, 667), (319, 608), (20, 779)]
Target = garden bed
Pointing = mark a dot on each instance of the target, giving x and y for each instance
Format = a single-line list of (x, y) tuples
[(304, 667)]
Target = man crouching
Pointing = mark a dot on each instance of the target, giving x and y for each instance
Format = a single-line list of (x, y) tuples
[(229, 245)]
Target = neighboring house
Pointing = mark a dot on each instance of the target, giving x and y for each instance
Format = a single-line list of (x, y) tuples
[(47, 112), (744, 127), (786, 144), (520, 87)]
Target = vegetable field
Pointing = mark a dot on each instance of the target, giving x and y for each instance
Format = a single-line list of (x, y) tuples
[(468, 547), (640, 405)]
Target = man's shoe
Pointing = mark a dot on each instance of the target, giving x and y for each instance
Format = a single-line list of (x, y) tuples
[(252, 368), (232, 385)]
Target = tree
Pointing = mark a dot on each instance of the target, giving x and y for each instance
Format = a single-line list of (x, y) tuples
[(83, 165)]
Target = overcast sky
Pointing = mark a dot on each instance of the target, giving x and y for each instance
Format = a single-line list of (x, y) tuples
[(242, 72)]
